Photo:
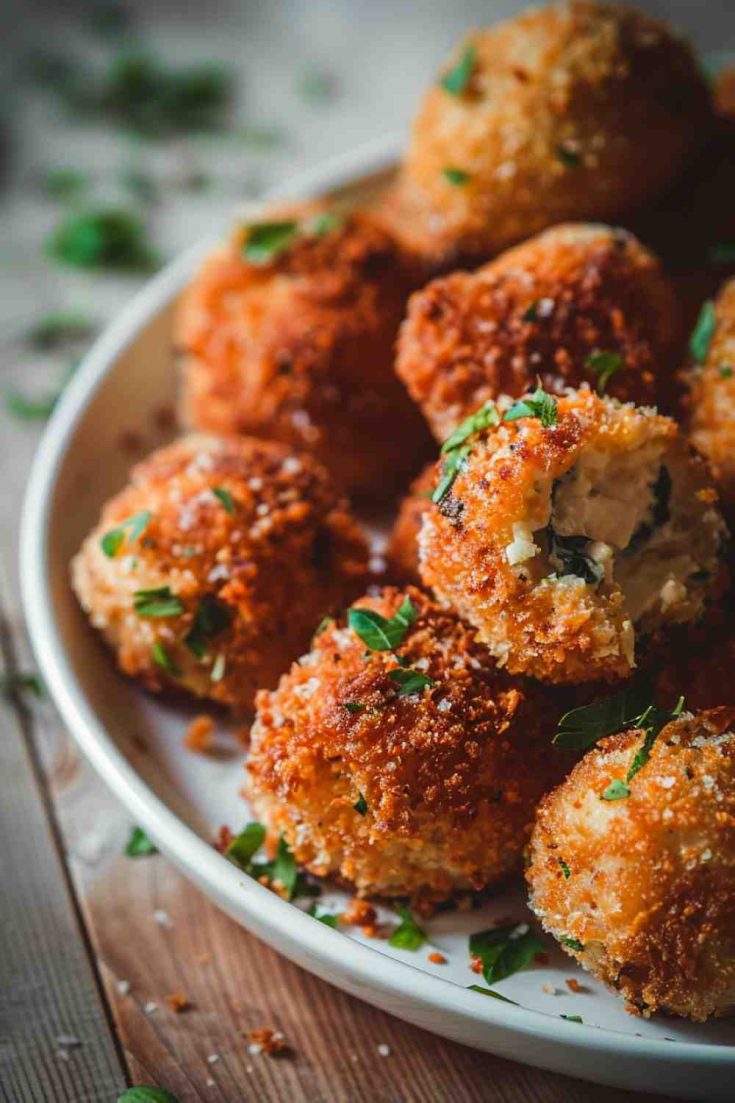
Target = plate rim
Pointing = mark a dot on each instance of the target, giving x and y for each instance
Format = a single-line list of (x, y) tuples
[(362, 964)]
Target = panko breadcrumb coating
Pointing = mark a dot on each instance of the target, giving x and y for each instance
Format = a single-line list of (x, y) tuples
[(401, 793), (558, 307), (212, 568), (640, 889), (402, 553), (562, 542), (711, 402), (574, 110), (295, 343)]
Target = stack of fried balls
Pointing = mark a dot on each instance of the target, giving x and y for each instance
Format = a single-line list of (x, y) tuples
[(564, 555)]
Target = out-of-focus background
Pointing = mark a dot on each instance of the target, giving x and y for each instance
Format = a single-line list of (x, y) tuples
[(169, 113)]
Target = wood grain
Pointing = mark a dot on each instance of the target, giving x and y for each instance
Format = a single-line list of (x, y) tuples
[(48, 990)]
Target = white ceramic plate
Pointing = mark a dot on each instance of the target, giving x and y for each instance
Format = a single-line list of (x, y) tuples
[(181, 799)]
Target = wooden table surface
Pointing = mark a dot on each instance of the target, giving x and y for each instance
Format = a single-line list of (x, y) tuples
[(84, 966)]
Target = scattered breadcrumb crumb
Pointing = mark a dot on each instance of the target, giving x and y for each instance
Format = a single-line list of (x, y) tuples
[(265, 1040), (384, 1049), (178, 1002), (224, 838), (213, 1058), (436, 958), (359, 913), (199, 735), (573, 985), (476, 964)]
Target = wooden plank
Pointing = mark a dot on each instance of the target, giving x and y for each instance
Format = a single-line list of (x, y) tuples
[(49, 997), (236, 984)]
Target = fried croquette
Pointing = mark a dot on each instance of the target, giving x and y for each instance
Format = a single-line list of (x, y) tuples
[(287, 332), (574, 110), (568, 528), (632, 865), (209, 571), (711, 401), (402, 553), (405, 772), (565, 306)]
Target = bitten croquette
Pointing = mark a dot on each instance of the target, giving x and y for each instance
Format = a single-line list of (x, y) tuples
[(570, 527), (573, 110), (565, 306), (632, 865), (405, 772), (711, 401), (211, 569), (287, 332)]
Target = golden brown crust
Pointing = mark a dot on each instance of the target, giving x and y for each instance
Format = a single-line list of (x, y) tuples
[(645, 884), (284, 552), (300, 349), (450, 775), (711, 400), (574, 110), (402, 553), (560, 629), (541, 310)]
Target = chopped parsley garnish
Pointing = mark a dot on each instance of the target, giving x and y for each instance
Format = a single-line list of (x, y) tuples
[(225, 498), (360, 805), (505, 950), (129, 530), (30, 409), (722, 252), (104, 238), (407, 935), (540, 405), (266, 240), (482, 419), (572, 943), (458, 78), (490, 992), (564, 868), (284, 869), (568, 156), (211, 618), (144, 1093), (456, 177), (605, 365), (572, 1018), (409, 681), (162, 658), (580, 728), (141, 185), (616, 790), (159, 602), (139, 845), (329, 919), (703, 332), (530, 314), (570, 551), (59, 328), (244, 846), (726, 372), (378, 632), (652, 722), (64, 183), (353, 706), (15, 683), (453, 464), (325, 222)]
